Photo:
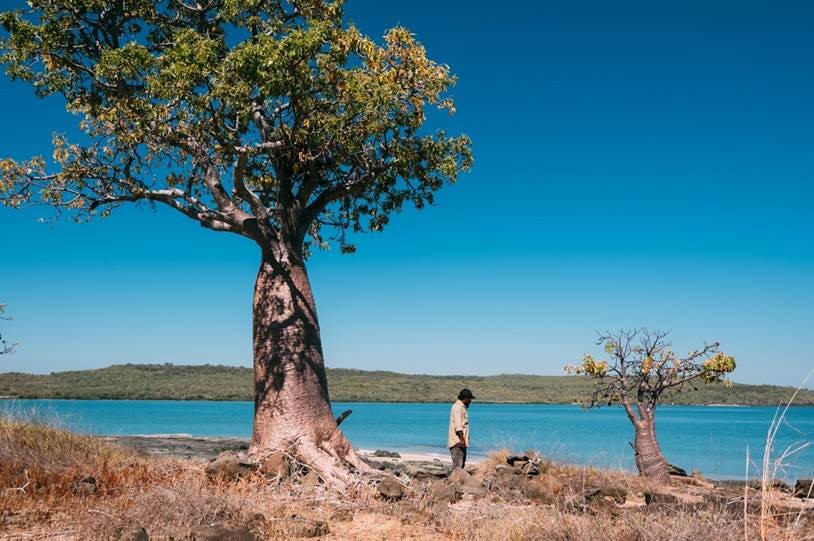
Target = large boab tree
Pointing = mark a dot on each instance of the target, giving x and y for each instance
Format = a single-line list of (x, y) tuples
[(641, 368), (277, 121)]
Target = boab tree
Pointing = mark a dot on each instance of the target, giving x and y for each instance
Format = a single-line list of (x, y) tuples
[(277, 121), (641, 368)]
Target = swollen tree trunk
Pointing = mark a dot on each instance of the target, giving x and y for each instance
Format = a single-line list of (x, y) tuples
[(291, 406), (650, 460)]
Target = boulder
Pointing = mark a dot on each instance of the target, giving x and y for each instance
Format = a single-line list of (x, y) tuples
[(311, 479), (219, 532), (86, 486), (467, 483), (381, 453), (652, 497), (508, 479), (443, 492), (276, 466), (134, 534), (517, 460), (543, 489), (804, 488), (390, 488), (307, 527), (342, 515), (675, 470), (229, 465), (614, 493)]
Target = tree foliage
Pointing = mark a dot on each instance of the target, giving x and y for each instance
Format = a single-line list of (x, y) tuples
[(274, 120), (641, 366)]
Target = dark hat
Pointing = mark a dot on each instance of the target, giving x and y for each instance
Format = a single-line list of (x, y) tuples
[(464, 394)]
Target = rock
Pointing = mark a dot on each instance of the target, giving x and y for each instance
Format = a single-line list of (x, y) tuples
[(311, 479), (276, 465), (390, 488), (614, 493), (386, 454), (652, 497), (443, 492), (544, 489), (342, 515), (229, 465), (804, 488), (467, 483), (508, 479), (134, 534), (675, 470), (425, 471), (86, 486), (306, 527), (219, 532), (517, 460)]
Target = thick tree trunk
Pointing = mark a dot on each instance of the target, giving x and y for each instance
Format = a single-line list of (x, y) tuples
[(291, 406), (650, 460)]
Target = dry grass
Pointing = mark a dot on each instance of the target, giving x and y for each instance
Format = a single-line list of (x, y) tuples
[(40, 466)]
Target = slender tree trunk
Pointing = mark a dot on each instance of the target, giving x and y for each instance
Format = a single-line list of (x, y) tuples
[(650, 460), (291, 406)]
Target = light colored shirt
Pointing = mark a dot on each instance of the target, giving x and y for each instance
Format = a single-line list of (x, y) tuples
[(458, 422)]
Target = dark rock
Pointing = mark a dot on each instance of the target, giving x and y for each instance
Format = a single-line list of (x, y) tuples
[(230, 465), (443, 492), (390, 488), (804, 488), (755, 484), (544, 489), (86, 486), (219, 532), (276, 465), (675, 470), (381, 453), (134, 534), (517, 460), (306, 527), (651, 497)]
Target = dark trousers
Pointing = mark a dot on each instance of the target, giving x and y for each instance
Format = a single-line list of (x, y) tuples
[(458, 456)]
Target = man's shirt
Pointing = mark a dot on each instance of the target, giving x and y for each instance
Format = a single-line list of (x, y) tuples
[(458, 422)]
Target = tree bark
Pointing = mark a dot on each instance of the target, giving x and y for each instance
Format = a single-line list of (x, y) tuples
[(291, 406), (650, 460)]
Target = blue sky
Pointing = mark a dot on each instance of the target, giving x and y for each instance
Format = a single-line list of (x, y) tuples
[(637, 164)]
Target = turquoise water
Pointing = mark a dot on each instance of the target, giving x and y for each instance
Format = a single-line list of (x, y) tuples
[(710, 439)]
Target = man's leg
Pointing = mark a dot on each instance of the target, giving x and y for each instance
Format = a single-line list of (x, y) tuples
[(457, 456), (463, 456)]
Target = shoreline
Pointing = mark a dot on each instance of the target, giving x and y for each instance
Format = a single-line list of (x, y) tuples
[(10, 398)]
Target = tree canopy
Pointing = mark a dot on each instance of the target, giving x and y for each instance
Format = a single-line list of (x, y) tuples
[(274, 120), (642, 366)]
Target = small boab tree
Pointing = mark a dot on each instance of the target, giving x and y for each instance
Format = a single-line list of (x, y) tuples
[(641, 367), (277, 121)]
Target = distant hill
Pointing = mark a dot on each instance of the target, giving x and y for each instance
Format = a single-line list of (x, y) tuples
[(214, 382)]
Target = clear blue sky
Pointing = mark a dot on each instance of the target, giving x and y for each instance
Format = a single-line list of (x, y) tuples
[(637, 164)]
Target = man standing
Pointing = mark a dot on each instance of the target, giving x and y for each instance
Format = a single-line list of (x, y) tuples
[(458, 438)]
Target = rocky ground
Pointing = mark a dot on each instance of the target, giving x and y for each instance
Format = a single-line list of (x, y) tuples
[(174, 488)]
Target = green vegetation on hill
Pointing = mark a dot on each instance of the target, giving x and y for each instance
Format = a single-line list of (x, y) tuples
[(208, 382)]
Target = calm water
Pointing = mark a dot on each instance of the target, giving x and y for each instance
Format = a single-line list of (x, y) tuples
[(710, 439)]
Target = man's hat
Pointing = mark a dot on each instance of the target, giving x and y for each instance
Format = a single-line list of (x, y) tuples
[(464, 394)]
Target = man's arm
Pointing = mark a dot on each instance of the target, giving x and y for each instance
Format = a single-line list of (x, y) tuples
[(460, 434)]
